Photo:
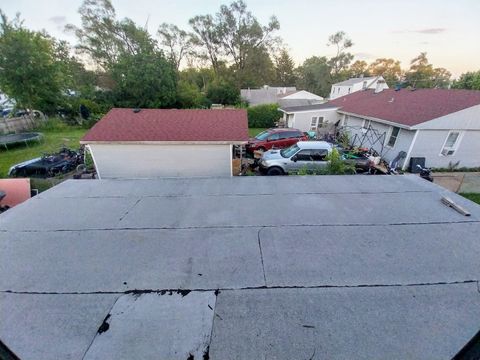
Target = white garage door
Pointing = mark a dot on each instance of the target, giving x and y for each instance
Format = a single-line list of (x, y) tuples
[(150, 161)]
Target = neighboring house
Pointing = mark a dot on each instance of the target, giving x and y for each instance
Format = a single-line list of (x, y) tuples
[(311, 117), (151, 143), (300, 98), (294, 267), (356, 84), (440, 125), (266, 94)]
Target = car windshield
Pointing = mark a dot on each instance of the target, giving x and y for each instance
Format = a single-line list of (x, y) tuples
[(290, 151), (263, 135)]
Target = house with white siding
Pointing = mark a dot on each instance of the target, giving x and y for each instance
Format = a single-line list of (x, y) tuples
[(153, 143), (440, 125), (357, 84), (315, 117)]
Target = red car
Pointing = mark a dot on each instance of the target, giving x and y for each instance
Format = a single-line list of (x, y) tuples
[(275, 138)]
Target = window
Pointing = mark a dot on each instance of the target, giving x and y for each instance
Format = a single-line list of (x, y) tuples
[(286, 153), (319, 154), (314, 123), (292, 134), (274, 137), (263, 135), (393, 136), (317, 121), (451, 143), (304, 155)]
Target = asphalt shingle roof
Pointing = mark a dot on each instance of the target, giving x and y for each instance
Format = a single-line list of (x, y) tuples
[(170, 125), (322, 267), (327, 105), (407, 107)]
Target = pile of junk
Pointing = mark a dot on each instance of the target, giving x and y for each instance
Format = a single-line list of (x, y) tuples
[(50, 165)]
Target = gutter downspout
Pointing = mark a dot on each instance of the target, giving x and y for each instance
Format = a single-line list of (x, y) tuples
[(407, 158)]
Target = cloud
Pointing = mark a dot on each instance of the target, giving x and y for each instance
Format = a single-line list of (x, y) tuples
[(58, 20), (364, 55), (428, 31)]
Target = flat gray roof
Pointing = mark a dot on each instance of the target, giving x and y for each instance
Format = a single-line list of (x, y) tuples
[(311, 107), (299, 267)]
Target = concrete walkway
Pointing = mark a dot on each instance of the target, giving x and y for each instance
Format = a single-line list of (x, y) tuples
[(461, 182)]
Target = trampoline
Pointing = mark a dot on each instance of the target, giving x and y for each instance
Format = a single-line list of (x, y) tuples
[(15, 139)]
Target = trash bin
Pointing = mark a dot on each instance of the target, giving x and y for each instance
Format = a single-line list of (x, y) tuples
[(414, 161)]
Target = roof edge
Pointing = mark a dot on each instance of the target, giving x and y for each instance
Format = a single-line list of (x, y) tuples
[(177, 142), (388, 122)]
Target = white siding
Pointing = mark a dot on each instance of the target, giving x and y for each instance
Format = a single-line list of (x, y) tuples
[(357, 134), (155, 160), (429, 145), (464, 119), (302, 120), (342, 90)]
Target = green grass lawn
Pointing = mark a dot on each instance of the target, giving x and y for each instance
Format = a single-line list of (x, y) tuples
[(53, 138), (254, 131), (475, 197)]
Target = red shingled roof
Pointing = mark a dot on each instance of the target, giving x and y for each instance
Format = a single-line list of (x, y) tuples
[(170, 125), (408, 107)]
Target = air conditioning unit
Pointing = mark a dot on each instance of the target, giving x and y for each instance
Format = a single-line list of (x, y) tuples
[(447, 152)]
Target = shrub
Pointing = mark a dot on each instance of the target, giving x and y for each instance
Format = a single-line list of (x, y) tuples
[(263, 116)]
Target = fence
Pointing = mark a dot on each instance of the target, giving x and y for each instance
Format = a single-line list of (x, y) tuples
[(19, 124)]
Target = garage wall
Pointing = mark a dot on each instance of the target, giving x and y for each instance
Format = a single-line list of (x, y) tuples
[(151, 161)]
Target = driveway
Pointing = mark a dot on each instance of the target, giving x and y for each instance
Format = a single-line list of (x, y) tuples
[(462, 182)]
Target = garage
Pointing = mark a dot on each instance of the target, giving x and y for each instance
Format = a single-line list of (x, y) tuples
[(152, 143)]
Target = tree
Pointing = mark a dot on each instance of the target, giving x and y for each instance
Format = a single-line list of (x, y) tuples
[(239, 32), (144, 80), (315, 75), (339, 63), (468, 80), (178, 43), (388, 68), (200, 77), (189, 96), (104, 38), (258, 70), (422, 74), (223, 92), (284, 69), (206, 39), (233, 34), (30, 72), (358, 68)]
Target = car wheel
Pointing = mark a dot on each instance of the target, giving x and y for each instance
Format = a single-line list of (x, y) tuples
[(274, 171)]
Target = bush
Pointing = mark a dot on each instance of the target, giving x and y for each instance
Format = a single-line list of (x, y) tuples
[(263, 116)]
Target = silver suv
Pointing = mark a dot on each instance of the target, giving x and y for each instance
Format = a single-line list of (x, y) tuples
[(308, 155)]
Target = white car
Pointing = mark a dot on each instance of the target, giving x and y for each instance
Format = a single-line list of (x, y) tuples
[(309, 155)]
